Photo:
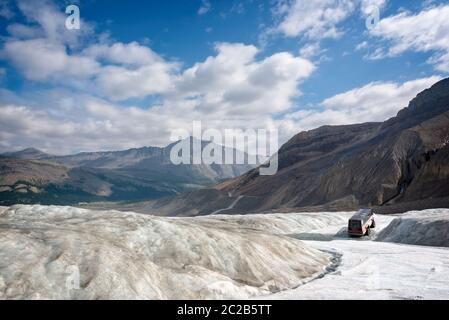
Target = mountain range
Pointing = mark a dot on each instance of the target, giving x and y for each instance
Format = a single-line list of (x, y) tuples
[(32, 176), (400, 164)]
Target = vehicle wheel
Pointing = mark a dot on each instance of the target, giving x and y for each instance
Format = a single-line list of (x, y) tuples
[(368, 232), (373, 225)]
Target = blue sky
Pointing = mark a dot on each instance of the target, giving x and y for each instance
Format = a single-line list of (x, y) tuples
[(138, 70)]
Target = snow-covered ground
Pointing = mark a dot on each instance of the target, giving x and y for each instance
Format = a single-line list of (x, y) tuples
[(44, 251)]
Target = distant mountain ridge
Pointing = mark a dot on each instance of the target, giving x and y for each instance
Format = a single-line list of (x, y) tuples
[(32, 176), (403, 161), (26, 154)]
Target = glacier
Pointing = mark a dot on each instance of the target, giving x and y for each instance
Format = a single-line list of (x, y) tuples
[(116, 255)]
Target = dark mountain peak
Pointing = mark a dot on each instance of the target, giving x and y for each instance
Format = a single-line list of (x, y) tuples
[(430, 99), (426, 105), (401, 161)]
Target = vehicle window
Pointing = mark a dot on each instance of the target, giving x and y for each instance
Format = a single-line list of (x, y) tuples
[(354, 224)]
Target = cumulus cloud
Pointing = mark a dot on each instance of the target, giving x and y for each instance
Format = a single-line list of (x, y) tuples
[(310, 50), (106, 126), (45, 50), (235, 87), (132, 54), (235, 82), (373, 102), (226, 90), (40, 49), (130, 70), (426, 31), (47, 21), (103, 127), (314, 19), (367, 6), (118, 71), (318, 19), (118, 83), (40, 59)]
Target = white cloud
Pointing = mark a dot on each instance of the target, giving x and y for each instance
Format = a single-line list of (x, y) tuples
[(361, 46), (119, 83), (49, 21), (310, 50), (21, 31), (118, 71), (228, 90), (426, 31), (40, 59), (102, 127), (205, 7), (91, 124), (233, 88), (376, 101), (382, 100), (367, 6), (235, 82), (317, 19), (40, 48), (132, 54)]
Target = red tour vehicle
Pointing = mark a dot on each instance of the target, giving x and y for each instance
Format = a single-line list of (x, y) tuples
[(361, 223)]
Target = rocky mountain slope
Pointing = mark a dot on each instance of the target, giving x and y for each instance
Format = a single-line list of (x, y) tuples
[(31, 176), (403, 160)]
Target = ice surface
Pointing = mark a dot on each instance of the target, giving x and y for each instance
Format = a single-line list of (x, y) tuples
[(116, 255), (375, 270), (287, 223), (429, 228), (381, 270), (132, 256)]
